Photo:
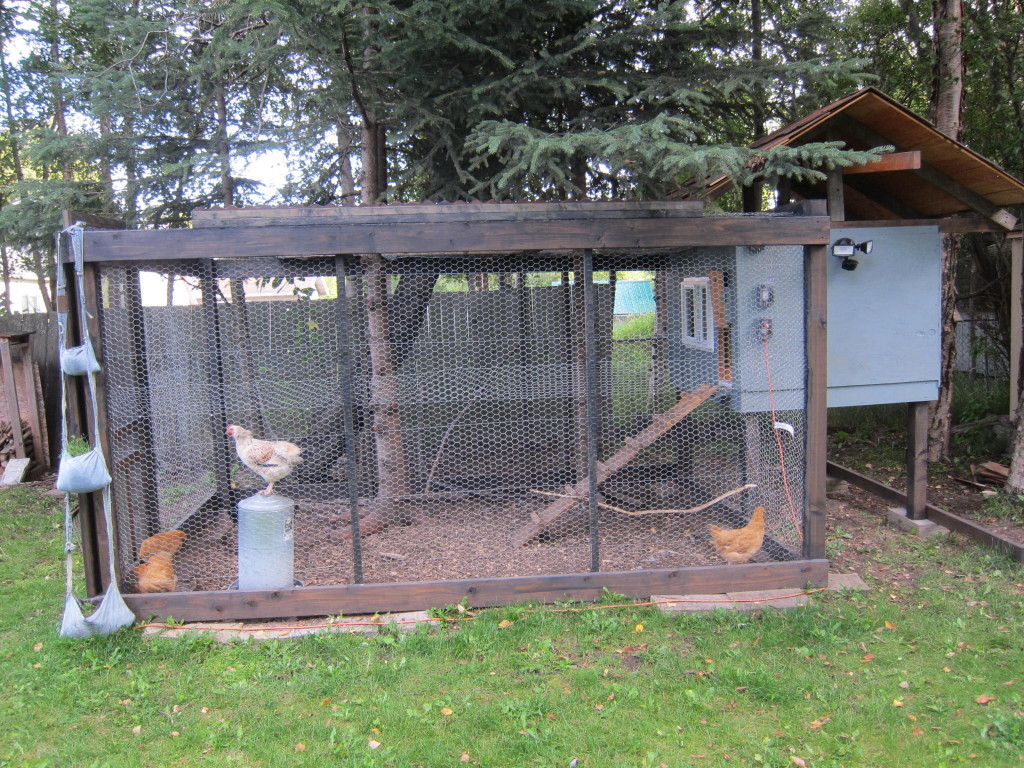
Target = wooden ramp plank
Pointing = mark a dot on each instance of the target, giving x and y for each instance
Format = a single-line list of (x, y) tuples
[(660, 424)]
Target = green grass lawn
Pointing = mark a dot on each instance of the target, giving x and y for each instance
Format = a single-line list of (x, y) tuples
[(922, 671)]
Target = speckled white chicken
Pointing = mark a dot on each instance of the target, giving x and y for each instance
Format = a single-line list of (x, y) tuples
[(273, 460)]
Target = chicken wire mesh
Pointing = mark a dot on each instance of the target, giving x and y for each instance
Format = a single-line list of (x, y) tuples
[(485, 416)]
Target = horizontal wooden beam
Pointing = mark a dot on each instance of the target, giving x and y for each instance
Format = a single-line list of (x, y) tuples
[(93, 220), (940, 516), (410, 596), (947, 225), (894, 161), (261, 216), (936, 178), (445, 237)]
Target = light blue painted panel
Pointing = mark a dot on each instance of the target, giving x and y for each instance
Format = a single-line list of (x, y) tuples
[(782, 268), (691, 367), (745, 270), (884, 318)]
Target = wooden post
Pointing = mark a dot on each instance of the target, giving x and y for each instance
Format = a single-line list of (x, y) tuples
[(815, 271), (28, 371), (917, 460), (834, 186), (11, 391)]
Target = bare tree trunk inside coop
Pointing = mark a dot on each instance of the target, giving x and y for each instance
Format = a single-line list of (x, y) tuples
[(947, 107), (392, 473), (243, 343)]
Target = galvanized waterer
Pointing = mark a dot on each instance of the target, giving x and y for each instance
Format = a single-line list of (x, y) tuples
[(266, 542)]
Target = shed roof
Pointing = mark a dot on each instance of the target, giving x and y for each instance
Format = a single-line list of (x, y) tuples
[(950, 178)]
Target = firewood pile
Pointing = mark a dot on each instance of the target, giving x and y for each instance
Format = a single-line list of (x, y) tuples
[(7, 442)]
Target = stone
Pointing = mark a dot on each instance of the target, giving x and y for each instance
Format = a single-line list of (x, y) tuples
[(924, 528)]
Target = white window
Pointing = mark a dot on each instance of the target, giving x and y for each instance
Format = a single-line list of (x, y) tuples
[(698, 329)]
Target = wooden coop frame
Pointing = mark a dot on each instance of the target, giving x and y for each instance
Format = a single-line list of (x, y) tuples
[(928, 182), (462, 230)]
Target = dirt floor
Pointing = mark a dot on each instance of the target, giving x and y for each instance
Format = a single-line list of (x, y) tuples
[(858, 526)]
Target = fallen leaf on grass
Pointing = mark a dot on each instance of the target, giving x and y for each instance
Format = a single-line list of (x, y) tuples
[(137, 730), (820, 721), (868, 657), (897, 703), (917, 731), (300, 747), (446, 711), (504, 624), (798, 761), (465, 757), (37, 647), (372, 744), (984, 699)]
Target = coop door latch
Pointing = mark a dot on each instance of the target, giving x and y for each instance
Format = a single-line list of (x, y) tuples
[(764, 328)]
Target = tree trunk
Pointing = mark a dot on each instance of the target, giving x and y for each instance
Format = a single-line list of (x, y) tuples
[(947, 106), (1015, 480), (6, 266), (392, 472), (227, 182)]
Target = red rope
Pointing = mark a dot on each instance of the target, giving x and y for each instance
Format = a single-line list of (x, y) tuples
[(778, 439)]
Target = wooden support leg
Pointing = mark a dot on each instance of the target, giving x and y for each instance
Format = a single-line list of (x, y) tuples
[(917, 460)]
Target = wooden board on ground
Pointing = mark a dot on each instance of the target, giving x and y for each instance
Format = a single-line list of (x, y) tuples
[(660, 424), (15, 471)]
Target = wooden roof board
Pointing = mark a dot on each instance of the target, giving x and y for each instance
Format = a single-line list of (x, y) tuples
[(898, 126)]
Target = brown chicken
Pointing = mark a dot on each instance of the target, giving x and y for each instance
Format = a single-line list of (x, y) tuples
[(739, 545), (273, 460), (156, 572)]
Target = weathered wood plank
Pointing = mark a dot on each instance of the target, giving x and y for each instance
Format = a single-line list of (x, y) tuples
[(478, 593), (816, 278), (940, 516), (946, 225), (446, 238), (93, 220), (434, 212), (917, 460), (660, 424)]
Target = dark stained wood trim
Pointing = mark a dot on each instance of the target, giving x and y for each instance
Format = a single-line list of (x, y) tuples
[(98, 418), (808, 207), (894, 161), (834, 189), (409, 596), (816, 280), (917, 460), (954, 522), (91, 220), (448, 238), (947, 225), (436, 212)]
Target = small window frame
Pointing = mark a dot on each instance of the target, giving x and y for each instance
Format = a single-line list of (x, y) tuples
[(697, 328)]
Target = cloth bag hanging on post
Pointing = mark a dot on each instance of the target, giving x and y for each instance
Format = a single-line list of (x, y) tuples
[(86, 472), (80, 360)]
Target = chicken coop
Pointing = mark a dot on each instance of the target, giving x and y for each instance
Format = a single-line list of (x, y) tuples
[(475, 422)]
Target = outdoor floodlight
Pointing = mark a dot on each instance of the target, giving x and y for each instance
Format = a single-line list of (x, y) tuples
[(845, 249)]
